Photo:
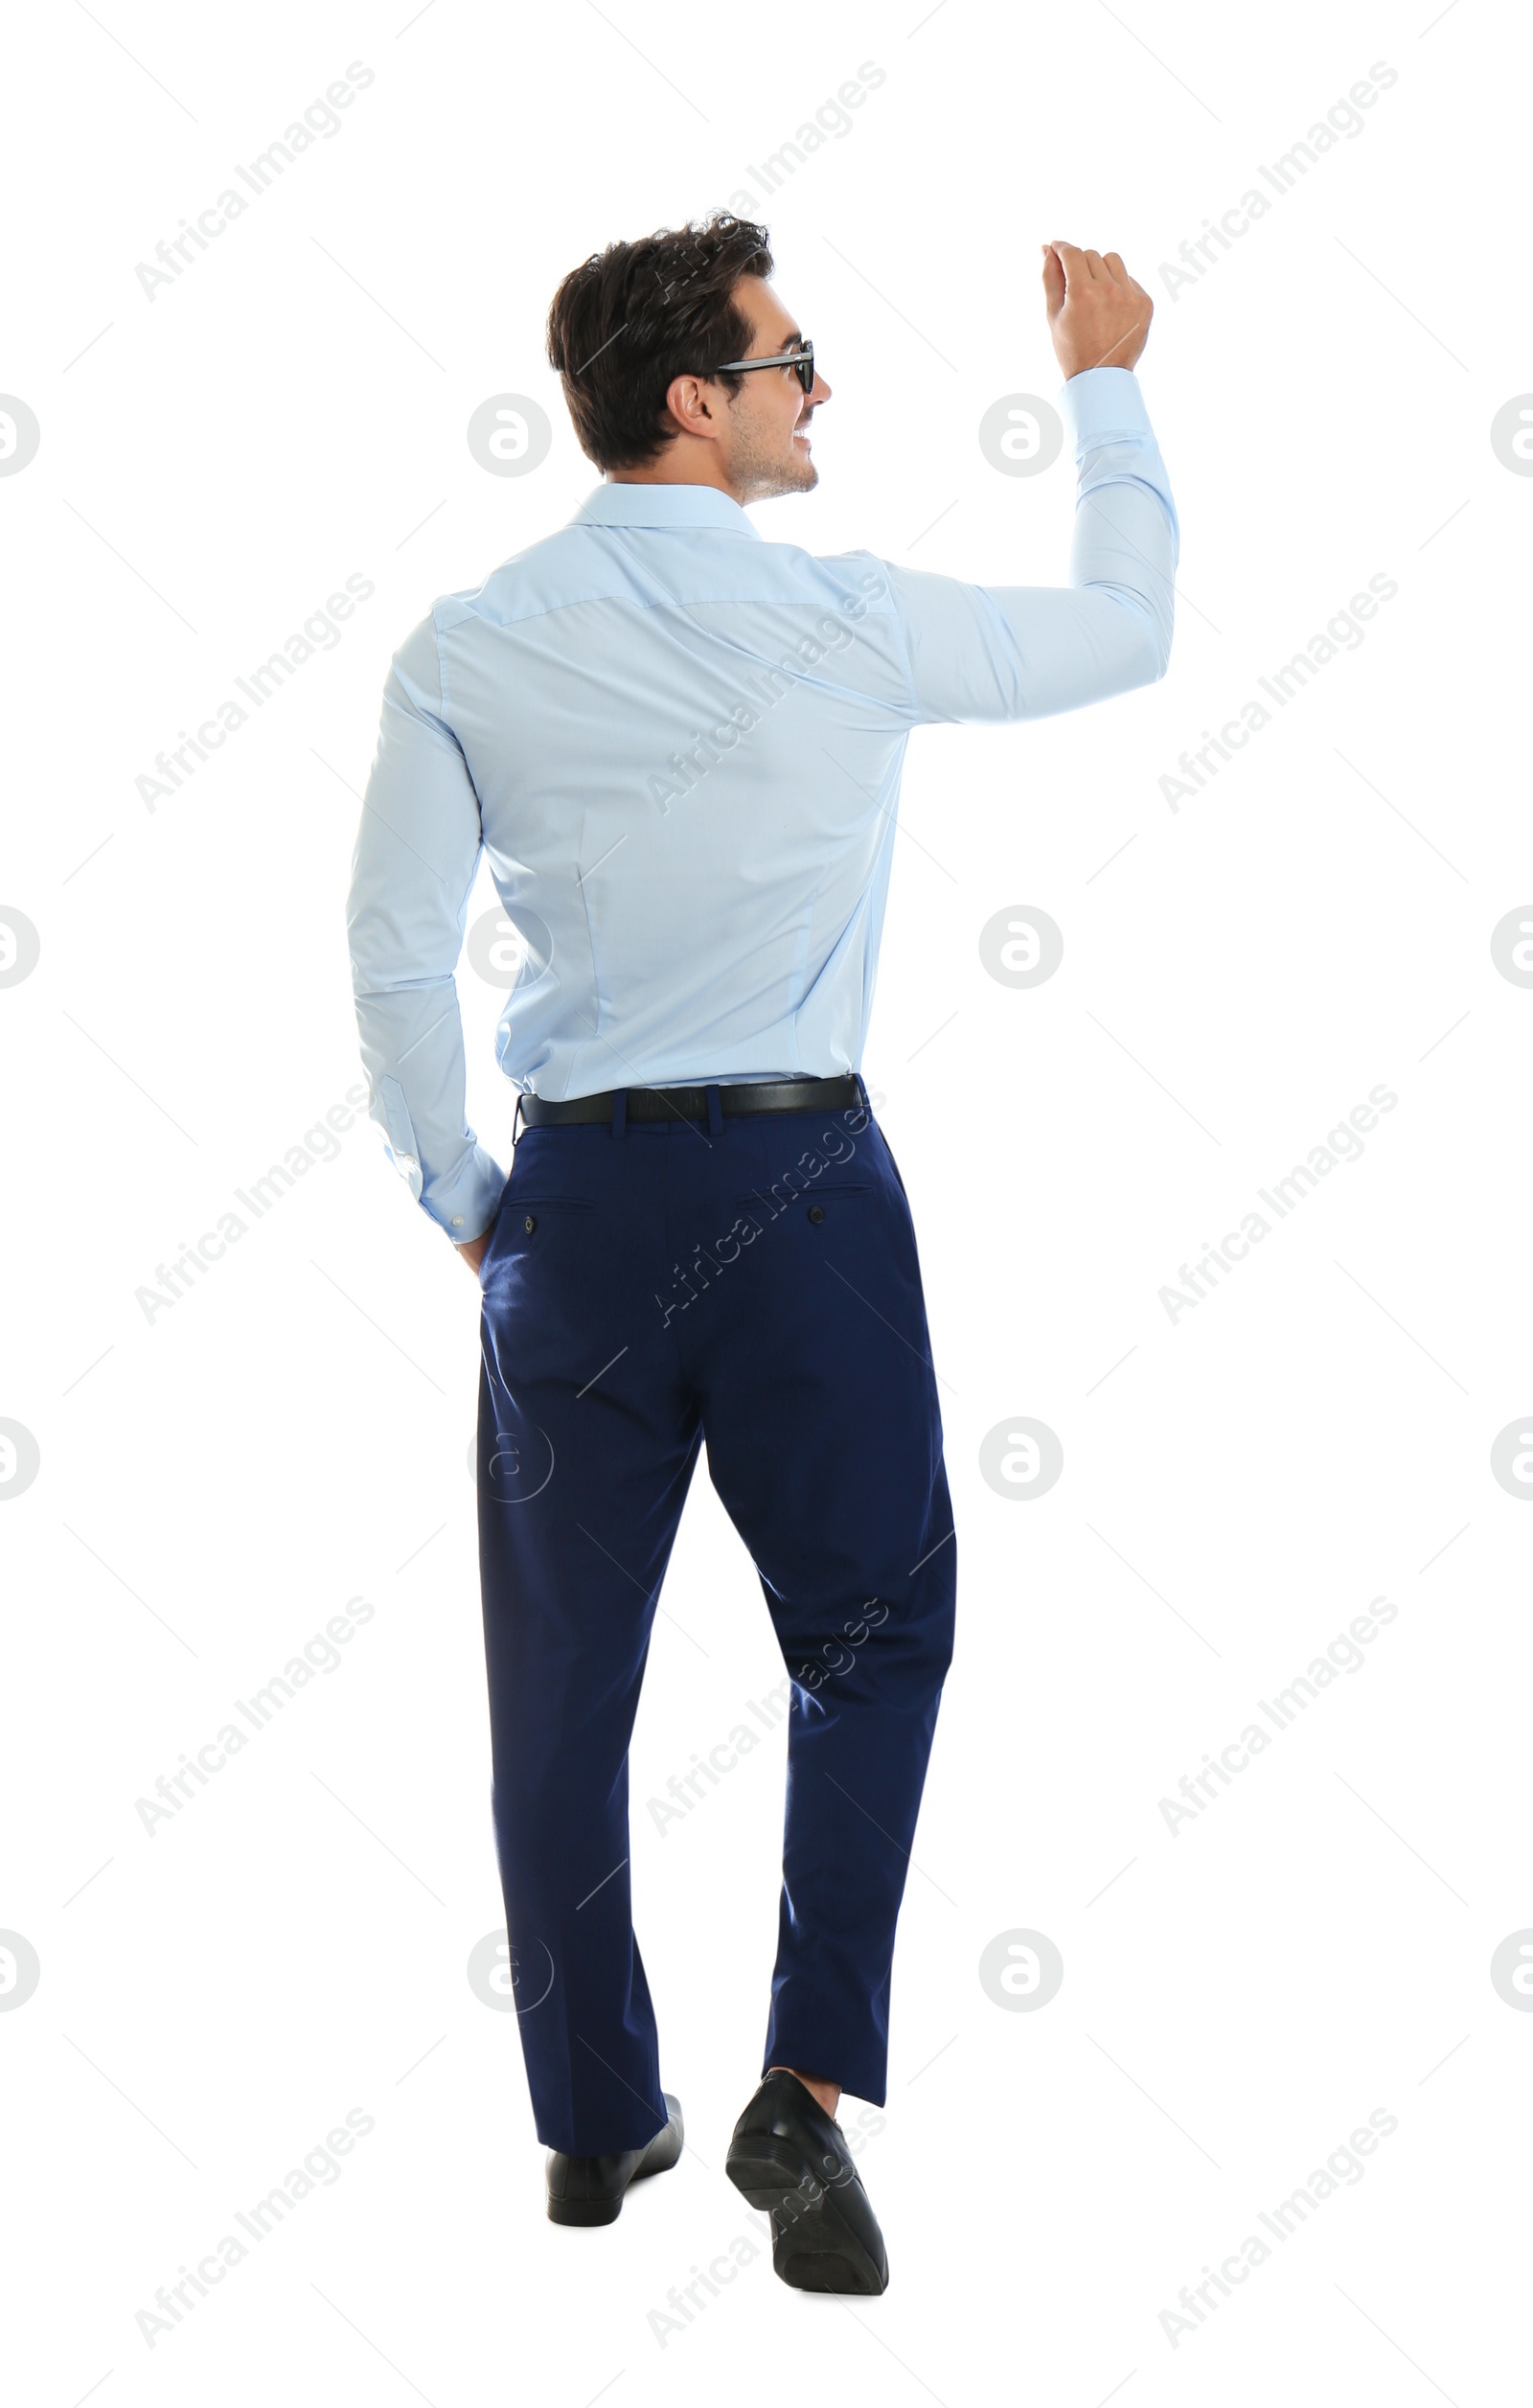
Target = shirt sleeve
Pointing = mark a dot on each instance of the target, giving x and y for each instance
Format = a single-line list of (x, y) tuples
[(413, 867), (1024, 651)]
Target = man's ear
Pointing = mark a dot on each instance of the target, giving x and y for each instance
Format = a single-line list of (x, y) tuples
[(699, 420)]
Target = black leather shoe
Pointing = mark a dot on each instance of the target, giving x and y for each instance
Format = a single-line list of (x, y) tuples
[(589, 2189), (790, 2160)]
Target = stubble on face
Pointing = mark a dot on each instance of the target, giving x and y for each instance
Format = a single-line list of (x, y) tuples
[(765, 465)]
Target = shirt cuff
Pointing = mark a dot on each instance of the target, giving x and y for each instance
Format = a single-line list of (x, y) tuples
[(466, 1204), (1104, 406)]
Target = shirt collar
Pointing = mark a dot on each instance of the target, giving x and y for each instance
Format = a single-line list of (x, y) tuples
[(610, 505)]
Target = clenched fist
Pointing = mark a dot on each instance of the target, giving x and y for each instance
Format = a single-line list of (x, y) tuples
[(1098, 316)]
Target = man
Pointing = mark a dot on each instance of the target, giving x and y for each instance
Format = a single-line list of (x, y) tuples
[(680, 748)]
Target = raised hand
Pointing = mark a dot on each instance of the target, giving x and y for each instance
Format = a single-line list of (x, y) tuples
[(1097, 315)]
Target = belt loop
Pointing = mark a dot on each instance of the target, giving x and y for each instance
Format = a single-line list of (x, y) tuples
[(716, 1110), (620, 1111), (867, 1108)]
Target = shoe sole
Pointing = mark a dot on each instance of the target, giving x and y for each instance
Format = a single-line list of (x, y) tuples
[(585, 2211), (816, 2245)]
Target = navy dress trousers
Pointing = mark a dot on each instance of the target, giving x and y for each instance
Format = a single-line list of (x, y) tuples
[(749, 1284)]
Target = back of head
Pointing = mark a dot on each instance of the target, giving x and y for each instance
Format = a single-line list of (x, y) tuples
[(638, 314)]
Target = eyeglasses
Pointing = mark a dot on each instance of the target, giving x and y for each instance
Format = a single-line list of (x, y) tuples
[(803, 360)]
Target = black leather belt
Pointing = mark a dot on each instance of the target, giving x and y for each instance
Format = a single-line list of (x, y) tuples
[(690, 1103)]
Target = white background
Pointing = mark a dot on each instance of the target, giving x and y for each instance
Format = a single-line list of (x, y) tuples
[(218, 1481)]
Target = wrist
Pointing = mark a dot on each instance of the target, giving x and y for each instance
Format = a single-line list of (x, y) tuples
[(1088, 367)]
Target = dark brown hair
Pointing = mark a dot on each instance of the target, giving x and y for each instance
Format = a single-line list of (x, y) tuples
[(635, 316)]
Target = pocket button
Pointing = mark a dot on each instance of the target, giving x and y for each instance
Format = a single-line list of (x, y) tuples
[(816, 1212), (529, 1225)]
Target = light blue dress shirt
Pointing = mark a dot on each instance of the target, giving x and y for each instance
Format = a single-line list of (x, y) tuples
[(680, 746)]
